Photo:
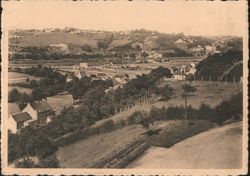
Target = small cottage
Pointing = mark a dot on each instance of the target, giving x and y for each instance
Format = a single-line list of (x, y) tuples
[(80, 74), (36, 114)]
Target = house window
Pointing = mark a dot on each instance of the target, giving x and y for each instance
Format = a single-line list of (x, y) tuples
[(19, 125)]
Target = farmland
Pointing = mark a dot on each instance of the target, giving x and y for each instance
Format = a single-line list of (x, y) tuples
[(14, 77), (43, 39)]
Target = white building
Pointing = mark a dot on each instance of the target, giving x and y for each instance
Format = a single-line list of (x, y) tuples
[(83, 65), (179, 77), (36, 114), (80, 74)]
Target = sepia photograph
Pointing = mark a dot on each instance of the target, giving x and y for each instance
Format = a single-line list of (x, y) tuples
[(119, 87)]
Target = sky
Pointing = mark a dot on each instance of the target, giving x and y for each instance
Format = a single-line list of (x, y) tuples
[(191, 18)]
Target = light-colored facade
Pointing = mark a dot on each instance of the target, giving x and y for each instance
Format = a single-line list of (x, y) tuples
[(84, 65), (35, 114), (179, 77)]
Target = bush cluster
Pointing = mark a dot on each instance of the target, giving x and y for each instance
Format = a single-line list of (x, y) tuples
[(29, 142)]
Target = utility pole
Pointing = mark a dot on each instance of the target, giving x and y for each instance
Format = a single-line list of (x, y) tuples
[(185, 97)]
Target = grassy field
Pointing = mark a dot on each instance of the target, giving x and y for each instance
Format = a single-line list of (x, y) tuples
[(86, 153), (14, 77), (210, 93), (20, 89), (44, 39), (57, 102)]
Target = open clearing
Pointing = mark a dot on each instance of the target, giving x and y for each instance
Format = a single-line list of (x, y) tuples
[(58, 102), (210, 93), (219, 148), (43, 39), (20, 89), (14, 77), (85, 153)]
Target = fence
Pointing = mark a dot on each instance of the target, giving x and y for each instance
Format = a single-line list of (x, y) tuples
[(140, 101)]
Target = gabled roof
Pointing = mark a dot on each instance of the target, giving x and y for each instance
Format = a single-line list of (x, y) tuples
[(81, 73), (41, 106), (21, 117)]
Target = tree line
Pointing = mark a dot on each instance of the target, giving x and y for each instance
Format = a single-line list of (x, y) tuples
[(215, 65)]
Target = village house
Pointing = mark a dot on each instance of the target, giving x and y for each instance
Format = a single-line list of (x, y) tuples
[(183, 69), (179, 77), (69, 77), (191, 69), (35, 114), (154, 54), (198, 50), (173, 70), (83, 65), (102, 76), (209, 49), (80, 74)]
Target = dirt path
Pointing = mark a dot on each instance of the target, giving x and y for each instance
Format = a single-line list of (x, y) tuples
[(219, 148)]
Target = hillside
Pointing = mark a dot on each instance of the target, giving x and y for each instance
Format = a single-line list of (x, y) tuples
[(198, 152), (44, 39), (124, 43)]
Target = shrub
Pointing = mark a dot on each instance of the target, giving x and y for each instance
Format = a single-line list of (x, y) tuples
[(107, 126), (136, 117), (13, 95), (229, 108), (25, 163), (192, 113), (29, 143), (121, 123), (33, 83), (49, 162), (158, 114), (206, 112), (175, 112)]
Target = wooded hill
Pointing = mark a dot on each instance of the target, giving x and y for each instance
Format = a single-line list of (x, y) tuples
[(227, 66)]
